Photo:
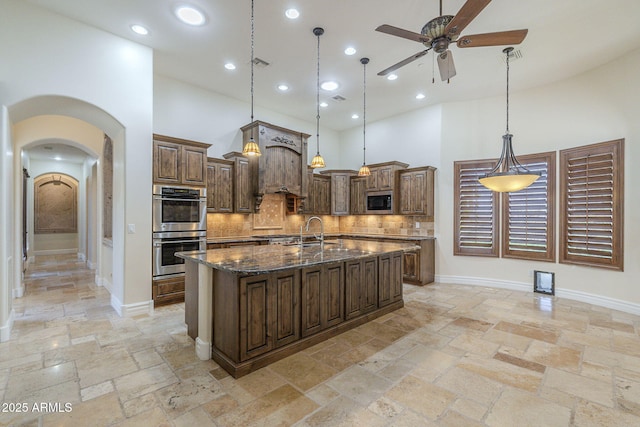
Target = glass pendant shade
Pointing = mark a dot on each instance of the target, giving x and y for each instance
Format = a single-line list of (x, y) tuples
[(364, 171), (251, 149), (317, 162), (508, 175)]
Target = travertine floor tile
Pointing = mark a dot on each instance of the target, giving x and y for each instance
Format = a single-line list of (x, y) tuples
[(455, 355)]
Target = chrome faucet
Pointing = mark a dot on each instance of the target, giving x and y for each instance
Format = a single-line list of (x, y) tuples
[(321, 230)]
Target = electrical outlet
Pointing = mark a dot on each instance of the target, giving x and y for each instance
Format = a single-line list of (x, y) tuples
[(417, 225), (131, 228)]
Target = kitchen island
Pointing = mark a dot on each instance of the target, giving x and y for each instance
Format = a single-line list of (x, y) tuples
[(247, 307)]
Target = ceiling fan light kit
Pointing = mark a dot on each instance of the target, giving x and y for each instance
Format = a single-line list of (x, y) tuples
[(317, 161), (251, 148), (439, 32), (508, 175)]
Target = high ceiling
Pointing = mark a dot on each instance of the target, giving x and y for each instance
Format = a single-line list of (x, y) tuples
[(566, 37)]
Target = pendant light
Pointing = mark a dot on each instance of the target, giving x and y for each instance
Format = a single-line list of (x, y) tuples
[(251, 149), (318, 161), (508, 175), (364, 169)]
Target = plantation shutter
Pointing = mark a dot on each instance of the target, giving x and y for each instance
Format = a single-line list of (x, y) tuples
[(528, 214), (592, 205), (476, 211)]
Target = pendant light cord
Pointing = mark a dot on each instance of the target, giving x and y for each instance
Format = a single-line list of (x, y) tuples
[(252, 36), (508, 52), (318, 99), (364, 111)]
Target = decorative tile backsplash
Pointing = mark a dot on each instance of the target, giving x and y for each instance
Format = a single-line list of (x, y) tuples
[(232, 225)]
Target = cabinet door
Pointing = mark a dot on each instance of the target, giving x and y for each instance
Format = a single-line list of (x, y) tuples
[(286, 294), (311, 283), (411, 266), (390, 278), (332, 293), (358, 196), (242, 186), (385, 178), (194, 165), (224, 188), (322, 189), (372, 180), (167, 158), (340, 192), (369, 286), (406, 195), (353, 283), (256, 315)]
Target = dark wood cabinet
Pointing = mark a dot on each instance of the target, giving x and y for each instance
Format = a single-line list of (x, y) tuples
[(411, 266), (243, 183), (383, 176), (319, 196), (389, 278), (322, 296), (269, 311), (416, 191), (361, 287), (340, 191), (167, 291), (178, 161), (220, 175), (358, 196)]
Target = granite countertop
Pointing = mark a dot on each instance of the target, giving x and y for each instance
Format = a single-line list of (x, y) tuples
[(268, 258), (328, 236)]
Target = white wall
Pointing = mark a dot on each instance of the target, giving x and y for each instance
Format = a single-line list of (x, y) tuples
[(600, 105), (104, 80), (6, 226), (185, 111)]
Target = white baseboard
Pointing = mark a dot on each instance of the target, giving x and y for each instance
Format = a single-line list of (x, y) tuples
[(19, 291), (5, 330), (81, 257), (56, 252), (130, 310), (203, 349), (91, 265), (594, 299)]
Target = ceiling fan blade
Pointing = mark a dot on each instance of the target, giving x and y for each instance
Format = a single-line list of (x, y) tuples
[(465, 15), (493, 39), (445, 65), (399, 32), (403, 62)]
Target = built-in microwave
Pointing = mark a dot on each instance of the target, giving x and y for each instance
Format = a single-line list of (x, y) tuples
[(379, 202)]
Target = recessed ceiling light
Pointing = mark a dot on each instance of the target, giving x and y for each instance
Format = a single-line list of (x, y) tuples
[(229, 66), (324, 104), (350, 50), (420, 96), (292, 13), (392, 76), (58, 158), (355, 116), (190, 15), (283, 87), (139, 29), (330, 85)]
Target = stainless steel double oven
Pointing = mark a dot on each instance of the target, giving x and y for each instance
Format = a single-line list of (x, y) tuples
[(179, 224)]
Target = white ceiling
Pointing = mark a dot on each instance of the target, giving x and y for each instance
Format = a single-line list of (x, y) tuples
[(566, 37), (56, 150)]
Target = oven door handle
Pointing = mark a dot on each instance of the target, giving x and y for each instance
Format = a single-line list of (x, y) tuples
[(181, 199), (158, 244)]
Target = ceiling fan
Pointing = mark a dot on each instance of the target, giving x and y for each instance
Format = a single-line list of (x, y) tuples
[(438, 33)]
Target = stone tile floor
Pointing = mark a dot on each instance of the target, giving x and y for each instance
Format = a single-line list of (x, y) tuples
[(454, 356)]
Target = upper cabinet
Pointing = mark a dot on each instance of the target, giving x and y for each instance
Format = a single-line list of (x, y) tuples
[(416, 191), (319, 195), (383, 176), (243, 182), (282, 167), (340, 190), (179, 161), (358, 202), (220, 174)]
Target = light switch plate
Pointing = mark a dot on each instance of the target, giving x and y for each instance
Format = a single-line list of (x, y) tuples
[(131, 228)]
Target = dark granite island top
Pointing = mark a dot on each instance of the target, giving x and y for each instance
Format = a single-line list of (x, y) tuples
[(247, 307), (270, 258)]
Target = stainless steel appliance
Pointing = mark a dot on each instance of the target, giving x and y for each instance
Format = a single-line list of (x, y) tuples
[(380, 202), (165, 245), (178, 208)]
